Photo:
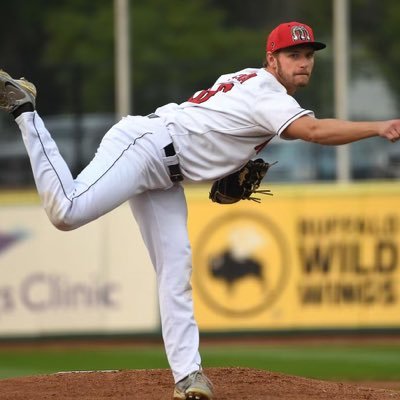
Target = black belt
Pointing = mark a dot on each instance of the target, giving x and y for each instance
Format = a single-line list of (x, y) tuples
[(175, 172)]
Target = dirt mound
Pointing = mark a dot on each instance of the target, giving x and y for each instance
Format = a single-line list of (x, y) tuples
[(230, 383)]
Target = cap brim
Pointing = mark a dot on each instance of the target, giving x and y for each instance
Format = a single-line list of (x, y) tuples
[(318, 45), (314, 45)]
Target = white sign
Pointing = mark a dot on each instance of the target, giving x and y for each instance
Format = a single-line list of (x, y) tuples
[(96, 279)]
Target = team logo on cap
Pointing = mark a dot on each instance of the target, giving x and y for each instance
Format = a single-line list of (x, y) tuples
[(300, 33)]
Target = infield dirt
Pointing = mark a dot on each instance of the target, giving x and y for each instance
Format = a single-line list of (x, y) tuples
[(230, 384)]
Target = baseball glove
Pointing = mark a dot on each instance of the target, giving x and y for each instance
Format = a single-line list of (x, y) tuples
[(241, 184)]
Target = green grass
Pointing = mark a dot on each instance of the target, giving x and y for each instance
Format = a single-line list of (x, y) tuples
[(323, 362), (344, 362), (43, 361)]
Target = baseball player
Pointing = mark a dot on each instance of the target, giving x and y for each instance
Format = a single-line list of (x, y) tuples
[(143, 159)]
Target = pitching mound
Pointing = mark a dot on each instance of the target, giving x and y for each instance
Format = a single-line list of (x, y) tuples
[(230, 383)]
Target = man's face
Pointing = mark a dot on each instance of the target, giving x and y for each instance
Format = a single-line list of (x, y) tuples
[(292, 66)]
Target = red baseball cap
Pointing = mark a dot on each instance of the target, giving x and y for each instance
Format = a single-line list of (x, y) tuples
[(291, 34)]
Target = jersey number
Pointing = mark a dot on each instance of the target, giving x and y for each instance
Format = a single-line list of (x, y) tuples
[(204, 95)]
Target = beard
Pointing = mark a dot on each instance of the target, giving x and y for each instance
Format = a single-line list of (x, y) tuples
[(290, 81)]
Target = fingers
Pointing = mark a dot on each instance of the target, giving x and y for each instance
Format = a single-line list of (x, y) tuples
[(392, 132)]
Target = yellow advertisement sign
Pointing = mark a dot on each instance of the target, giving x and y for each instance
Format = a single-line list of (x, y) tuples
[(309, 257)]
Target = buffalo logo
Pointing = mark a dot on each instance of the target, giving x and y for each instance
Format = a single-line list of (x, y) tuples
[(300, 33), (240, 264), (236, 262), (230, 269)]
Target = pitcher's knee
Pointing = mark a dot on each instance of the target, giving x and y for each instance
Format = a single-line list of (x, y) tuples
[(62, 224), (62, 221)]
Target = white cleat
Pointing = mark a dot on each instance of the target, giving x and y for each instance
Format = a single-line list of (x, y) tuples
[(195, 386)]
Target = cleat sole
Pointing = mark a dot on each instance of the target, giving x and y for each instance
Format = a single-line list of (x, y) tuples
[(196, 396)]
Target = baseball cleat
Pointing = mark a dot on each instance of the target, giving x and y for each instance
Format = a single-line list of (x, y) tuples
[(15, 92), (196, 386)]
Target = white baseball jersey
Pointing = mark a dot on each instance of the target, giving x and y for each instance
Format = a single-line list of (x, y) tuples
[(219, 129)]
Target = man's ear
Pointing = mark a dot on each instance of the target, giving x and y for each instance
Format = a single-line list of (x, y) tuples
[(271, 60)]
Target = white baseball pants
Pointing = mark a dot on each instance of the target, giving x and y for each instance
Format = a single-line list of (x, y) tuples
[(129, 165)]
